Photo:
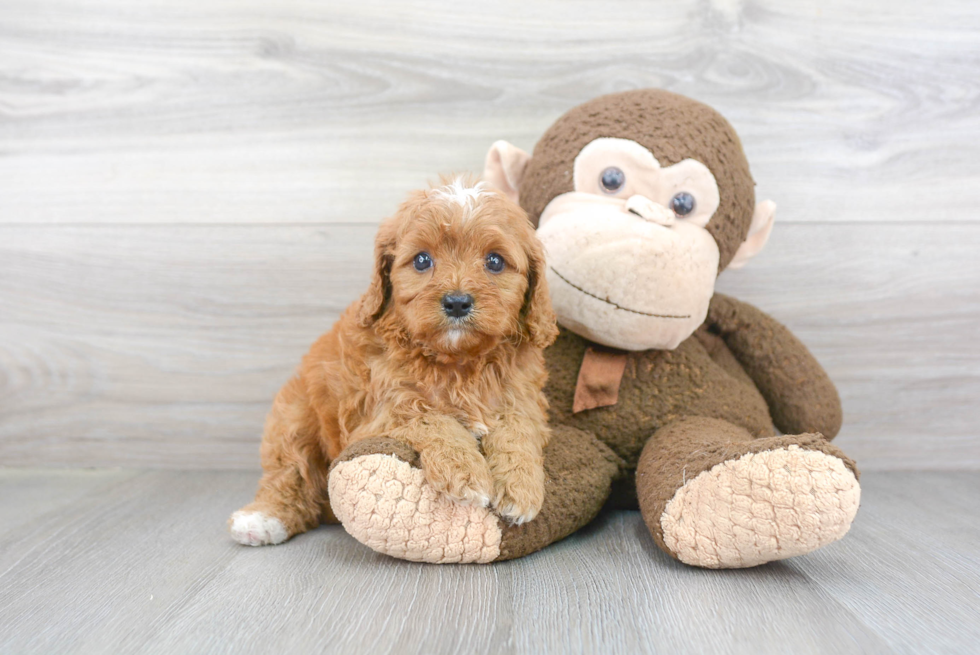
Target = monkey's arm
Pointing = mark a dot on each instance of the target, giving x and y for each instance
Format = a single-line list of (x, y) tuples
[(799, 393)]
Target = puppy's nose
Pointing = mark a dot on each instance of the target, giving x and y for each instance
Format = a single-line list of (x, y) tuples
[(457, 304)]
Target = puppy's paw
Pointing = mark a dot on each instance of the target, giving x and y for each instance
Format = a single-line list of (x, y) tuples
[(518, 493), (462, 475), (256, 529)]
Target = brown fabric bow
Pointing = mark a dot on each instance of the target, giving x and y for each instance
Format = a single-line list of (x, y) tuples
[(599, 378)]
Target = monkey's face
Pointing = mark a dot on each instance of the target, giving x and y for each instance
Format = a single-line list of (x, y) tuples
[(629, 261), (641, 198)]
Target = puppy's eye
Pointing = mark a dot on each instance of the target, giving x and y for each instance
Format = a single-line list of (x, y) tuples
[(422, 262), (682, 203), (495, 263), (612, 179)]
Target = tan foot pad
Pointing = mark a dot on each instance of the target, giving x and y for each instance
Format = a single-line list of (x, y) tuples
[(761, 507), (386, 504)]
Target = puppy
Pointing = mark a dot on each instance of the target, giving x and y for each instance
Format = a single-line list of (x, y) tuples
[(443, 352)]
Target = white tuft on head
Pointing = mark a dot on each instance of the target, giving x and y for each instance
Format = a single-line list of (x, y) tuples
[(457, 191)]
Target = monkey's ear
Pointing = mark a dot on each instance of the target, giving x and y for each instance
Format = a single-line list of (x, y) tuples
[(376, 298), (759, 231), (504, 168)]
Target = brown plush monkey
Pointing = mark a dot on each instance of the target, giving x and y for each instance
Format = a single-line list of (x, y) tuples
[(662, 392)]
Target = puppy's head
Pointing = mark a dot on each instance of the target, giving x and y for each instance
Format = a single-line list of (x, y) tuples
[(459, 269)]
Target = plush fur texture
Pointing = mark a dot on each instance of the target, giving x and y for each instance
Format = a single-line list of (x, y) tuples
[(463, 392), (671, 269), (386, 503), (704, 376), (673, 128), (382, 498), (688, 411), (691, 430), (712, 495)]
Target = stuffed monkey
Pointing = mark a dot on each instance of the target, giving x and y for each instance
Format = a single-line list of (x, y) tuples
[(663, 394)]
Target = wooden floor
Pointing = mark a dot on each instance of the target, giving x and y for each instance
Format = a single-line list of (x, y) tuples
[(124, 561)]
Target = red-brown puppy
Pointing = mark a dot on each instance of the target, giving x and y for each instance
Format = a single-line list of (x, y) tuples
[(442, 352)]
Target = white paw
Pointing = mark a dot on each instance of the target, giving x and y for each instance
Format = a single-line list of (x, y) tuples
[(257, 529)]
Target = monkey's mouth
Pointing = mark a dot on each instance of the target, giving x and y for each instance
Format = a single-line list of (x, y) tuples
[(610, 302)]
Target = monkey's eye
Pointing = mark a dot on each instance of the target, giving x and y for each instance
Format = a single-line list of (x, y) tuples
[(495, 263), (422, 262), (612, 179), (682, 203)]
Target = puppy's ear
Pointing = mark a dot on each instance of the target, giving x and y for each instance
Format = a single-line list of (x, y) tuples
[(375, 300), (537, 315)]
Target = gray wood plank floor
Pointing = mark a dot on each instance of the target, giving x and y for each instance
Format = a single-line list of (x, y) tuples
[(125, 561)]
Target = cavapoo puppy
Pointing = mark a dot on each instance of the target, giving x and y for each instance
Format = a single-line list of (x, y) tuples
[(443, 352)]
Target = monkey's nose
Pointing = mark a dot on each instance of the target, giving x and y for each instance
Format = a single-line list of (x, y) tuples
[(457, 304), (649, 210)]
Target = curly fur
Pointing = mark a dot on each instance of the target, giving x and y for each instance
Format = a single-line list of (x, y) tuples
[(395, 365)]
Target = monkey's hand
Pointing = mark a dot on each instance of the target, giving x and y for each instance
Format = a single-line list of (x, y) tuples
[(799, 393)]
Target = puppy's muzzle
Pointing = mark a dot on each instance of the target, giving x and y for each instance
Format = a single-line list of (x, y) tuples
[(457, 304)]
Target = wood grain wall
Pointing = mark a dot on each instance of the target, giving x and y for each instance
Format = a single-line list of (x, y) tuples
[(188, 193)]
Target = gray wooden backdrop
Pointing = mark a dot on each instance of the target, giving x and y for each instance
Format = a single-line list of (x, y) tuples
[(189, 190)]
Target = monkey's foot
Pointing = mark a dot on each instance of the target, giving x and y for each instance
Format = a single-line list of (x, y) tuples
[(381, 497), (762, 506), (379, 493)]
